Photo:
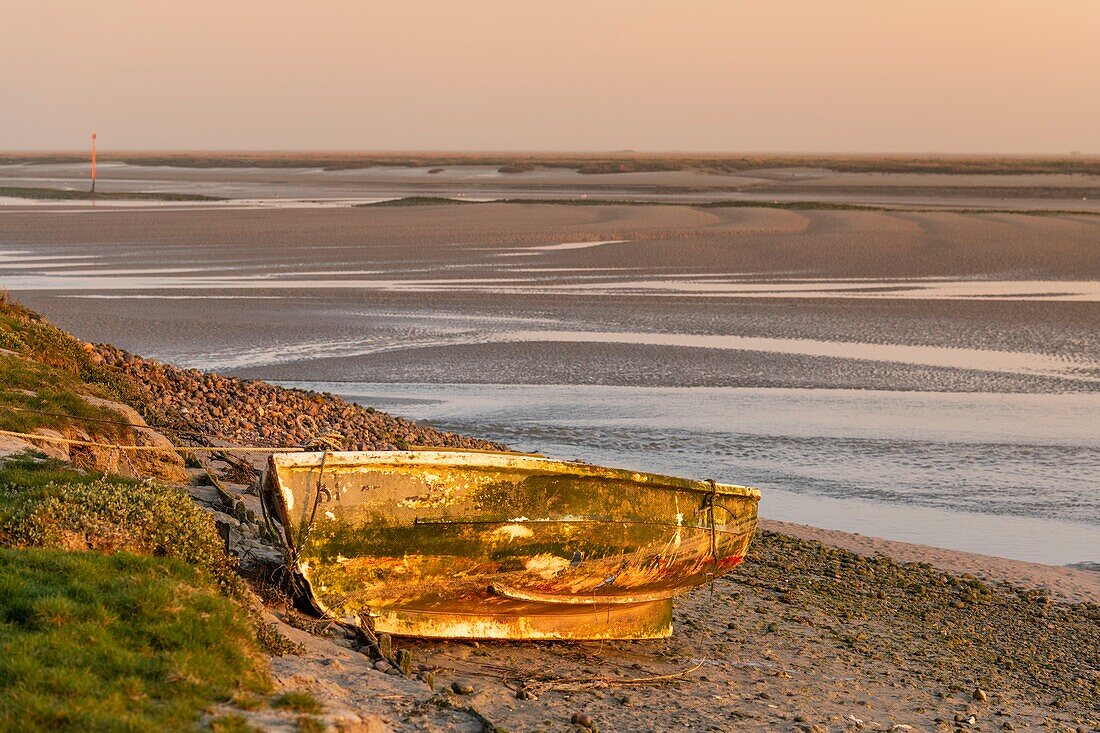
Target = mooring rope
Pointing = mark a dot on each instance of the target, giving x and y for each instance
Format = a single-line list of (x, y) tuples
[(303, 534), (156, 448), (712, 501), (123, 423)]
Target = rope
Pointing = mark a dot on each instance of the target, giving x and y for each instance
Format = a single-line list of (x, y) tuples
[(129, 463), (303, 534), (711, 502), (293, 549), (77, 417), (330, 441), (156, 448)]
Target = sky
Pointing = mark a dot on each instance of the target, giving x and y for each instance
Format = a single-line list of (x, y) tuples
[(950, 76)]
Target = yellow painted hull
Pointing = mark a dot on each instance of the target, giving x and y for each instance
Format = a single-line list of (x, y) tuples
[(480, 545)]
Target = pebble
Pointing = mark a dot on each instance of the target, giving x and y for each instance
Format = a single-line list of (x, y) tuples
[(581, 719), (462, 688), (247, 411), (979, 694)]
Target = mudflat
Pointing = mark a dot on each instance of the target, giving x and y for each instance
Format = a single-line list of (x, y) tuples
[(910, 353)]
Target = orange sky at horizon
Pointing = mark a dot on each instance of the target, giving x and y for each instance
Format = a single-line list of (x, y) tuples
[(983, 76)]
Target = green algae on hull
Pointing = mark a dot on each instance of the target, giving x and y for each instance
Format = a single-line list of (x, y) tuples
[(466, 544)]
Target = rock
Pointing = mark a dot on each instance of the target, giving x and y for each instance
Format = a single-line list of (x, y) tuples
[(1007, 725), (581, 719), (382, 665), (979, 694), (462, 688)]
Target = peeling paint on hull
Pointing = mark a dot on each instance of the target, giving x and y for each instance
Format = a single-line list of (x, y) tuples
[(457, 544)]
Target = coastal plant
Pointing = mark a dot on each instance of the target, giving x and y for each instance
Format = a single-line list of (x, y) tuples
[(301, 702), (34, 396), (91, 641), (232, 723), (32, 336), (46, 503)]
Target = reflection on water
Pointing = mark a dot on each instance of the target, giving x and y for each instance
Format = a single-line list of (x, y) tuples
[(1002, 474)]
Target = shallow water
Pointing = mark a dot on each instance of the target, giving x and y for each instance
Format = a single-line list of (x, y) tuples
[(1004, 474)]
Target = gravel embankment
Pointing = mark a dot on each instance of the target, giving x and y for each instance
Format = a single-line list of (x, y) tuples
[(195, 403)]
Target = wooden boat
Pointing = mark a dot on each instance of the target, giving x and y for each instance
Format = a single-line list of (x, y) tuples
[(487, 545)]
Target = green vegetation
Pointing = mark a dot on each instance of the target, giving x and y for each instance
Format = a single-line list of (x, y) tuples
[(50, 504), (50, 393), (420, 201), (307, 724), (59, 194), (116, 642), (118, 607), (232, 723), (301, 702), (24, 331)]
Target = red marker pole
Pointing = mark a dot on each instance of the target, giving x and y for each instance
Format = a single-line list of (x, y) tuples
[(93, 162)]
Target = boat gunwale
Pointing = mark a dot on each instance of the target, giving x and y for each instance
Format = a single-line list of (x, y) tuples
[(500, 460)]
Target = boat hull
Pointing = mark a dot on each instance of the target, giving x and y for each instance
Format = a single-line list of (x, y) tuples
[(453, 544)]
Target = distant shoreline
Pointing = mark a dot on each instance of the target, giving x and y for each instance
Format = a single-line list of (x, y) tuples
[(59, 194), (586, 163)]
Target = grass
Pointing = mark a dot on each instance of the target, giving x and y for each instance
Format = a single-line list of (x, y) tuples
[(51, 393), (24, 331), (232, 723), (47, 381), (119, 609), (60, 194), (301, 702), (116, 642), (307, 724), (51, 504)]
